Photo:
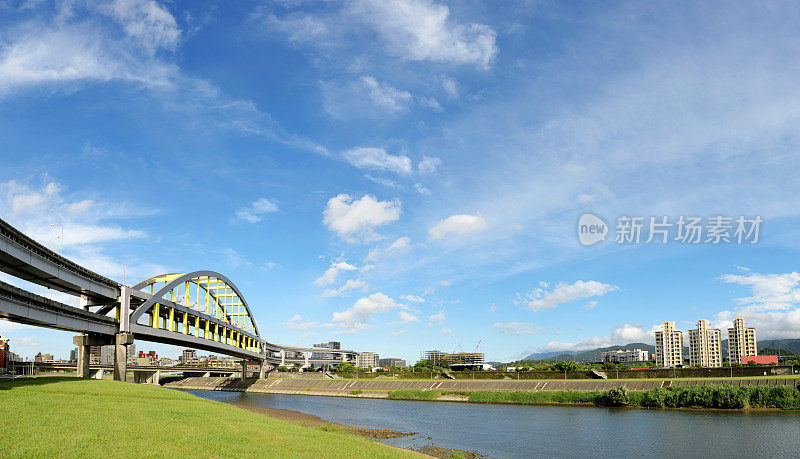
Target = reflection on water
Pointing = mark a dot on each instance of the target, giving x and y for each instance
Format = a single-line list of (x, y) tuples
[(525, 431)]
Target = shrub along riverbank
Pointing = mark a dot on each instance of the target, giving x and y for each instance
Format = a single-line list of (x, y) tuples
[(710, 396)]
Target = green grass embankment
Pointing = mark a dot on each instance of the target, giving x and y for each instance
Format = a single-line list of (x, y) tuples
[(67, 416), (712, 396)]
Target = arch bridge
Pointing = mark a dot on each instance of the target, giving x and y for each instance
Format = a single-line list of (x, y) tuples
[(200, 309)]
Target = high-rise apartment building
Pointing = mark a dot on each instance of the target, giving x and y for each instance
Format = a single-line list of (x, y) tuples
[(669, 346), (705, 345), (741, 341)]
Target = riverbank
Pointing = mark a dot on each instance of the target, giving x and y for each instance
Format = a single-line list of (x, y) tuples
[(67, 416), (736, 393)]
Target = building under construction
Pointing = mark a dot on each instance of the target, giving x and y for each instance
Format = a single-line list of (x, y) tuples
[(471, 358)]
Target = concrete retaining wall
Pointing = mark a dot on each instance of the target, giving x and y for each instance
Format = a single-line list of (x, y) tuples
[(380, 388)]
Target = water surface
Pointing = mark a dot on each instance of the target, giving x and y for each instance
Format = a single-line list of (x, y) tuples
[(533, 431)]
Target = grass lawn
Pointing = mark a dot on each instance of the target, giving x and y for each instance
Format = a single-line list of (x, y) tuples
[(67, 416)]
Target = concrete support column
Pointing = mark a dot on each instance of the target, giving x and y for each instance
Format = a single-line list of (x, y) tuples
[(122, 340), (261, 370), (244, 370), (83, 356), (283, 357)]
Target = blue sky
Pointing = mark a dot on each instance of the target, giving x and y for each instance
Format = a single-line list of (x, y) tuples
[(409, 175)]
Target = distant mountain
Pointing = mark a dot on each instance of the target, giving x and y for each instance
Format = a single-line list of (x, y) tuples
[(546, 355), (791, 345), (595, 355)]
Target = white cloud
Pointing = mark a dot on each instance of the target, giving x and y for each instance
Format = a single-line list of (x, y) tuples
[(405, 318), (445, 283), (457, 225), (127, 42), (354, 220), (421, 189), (398, 333), (624, 334), (450, 86), (428, 165), (385, 96), (773, 306), (256, 211), (149, 24), (769, 291), (350, 285), (358, 316), (431, 103), (399, 247), (516, 328), (438, 318), (539, 299), (299, 28), (332, 273), (445, 331), (25, 341), (493, 308), (37, 209), (378, 159), (364, 98), (413, 298), (590, 305), (234, 258), (297, 323), (421, 30)]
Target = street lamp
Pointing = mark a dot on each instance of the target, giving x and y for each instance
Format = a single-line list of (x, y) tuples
[(123, 270), (60, 238)]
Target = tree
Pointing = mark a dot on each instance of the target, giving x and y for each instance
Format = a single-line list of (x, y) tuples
[(565, 366), (345, 367)]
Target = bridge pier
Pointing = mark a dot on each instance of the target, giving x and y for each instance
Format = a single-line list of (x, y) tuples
[(147, 377), (84, 342), (122, 341), (261, 369), (244, 370)]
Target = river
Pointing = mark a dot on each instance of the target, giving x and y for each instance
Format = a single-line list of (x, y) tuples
[(564, 431)]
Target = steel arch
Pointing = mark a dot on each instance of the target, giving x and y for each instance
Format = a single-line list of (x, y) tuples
[(180, 279)]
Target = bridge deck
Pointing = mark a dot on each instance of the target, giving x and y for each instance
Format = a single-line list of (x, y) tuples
[(26, 259)]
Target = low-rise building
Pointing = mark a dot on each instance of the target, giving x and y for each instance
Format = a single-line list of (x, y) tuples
[(391, 362), (325, 355), (759, 359), (625, 356), (367, 360), (188, 355), (5, 354)]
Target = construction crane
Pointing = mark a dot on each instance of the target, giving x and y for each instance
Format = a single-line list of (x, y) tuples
[(476, 346)]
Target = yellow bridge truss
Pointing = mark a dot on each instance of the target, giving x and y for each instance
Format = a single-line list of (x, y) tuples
[(203, 303)]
